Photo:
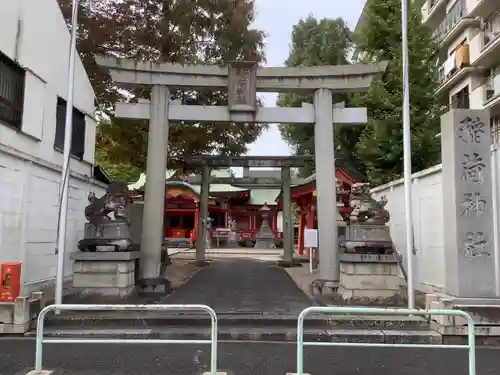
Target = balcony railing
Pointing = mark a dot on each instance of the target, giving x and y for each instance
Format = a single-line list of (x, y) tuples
[(456, 13), (429, 7), (459, 59)]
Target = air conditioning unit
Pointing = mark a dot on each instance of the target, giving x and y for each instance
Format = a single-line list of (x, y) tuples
[(490, 93), (488, 37)]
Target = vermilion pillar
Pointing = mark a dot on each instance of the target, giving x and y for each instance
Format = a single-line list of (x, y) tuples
[(301, 233), (195, 229), (275, 224)]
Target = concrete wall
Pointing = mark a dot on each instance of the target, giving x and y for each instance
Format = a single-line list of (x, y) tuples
[(427, 199), (428, 223), (29, 208), (34, 34)]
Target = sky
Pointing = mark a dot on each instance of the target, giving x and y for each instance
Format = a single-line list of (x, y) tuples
[(276, 18)]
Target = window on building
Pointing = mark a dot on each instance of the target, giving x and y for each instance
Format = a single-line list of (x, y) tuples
[(11, 92), (78, 136), (461, 99)]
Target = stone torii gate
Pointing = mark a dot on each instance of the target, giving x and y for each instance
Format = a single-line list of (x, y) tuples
[(283, 162), (242, 80)]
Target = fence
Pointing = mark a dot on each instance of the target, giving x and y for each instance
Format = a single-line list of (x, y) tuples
[(40, 340), (378, 311)]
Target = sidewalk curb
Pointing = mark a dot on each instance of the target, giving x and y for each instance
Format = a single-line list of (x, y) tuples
[(262, 335)]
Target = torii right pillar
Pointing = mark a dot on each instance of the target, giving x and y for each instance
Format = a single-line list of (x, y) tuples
[(329, 260)]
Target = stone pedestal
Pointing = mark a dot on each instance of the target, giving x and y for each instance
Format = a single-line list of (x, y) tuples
[(20, 316), (111, 274), (367, 238), (370, 278), (485, 313)]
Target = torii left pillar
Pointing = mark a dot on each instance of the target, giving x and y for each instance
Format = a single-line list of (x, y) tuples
[(154, 195)]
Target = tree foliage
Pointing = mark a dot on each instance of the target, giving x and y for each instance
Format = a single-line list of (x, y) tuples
[(317, 42), (380, 147), (179, 31)]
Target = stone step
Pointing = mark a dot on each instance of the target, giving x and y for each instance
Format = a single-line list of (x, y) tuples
[(177, 242), (133, 319), (275, 334)]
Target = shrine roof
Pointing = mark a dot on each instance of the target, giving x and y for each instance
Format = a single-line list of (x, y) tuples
[(257, 196), (341, 165), (217, 188), (260, 197), (184, 185)]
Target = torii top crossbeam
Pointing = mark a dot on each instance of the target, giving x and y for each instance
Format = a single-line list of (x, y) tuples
[(248, 161), (338, 78)]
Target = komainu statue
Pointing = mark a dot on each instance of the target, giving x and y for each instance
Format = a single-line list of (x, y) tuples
[(102, 230), (365, 209), (367, 231)]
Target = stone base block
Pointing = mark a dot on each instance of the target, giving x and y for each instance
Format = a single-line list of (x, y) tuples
[(485, 313), (369, 276), (105, 273), (19, 317)]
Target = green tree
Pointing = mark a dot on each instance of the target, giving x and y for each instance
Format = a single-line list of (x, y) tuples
[(181, 31), (318, 42), (380, 147)]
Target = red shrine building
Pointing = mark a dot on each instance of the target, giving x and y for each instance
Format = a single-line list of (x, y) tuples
[(304, 197), (236, 207)]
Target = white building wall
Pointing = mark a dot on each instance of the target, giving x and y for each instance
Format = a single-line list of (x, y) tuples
[(33, 33), (428, 224), (29, 207)]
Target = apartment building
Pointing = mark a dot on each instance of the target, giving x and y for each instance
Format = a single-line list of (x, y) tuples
[(468, 33)]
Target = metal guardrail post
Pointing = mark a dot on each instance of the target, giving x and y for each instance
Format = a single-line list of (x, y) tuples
[(471, 344), (41, 322)]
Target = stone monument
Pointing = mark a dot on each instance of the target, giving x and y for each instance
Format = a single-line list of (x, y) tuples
[(102, 231), (467, 198), (265, 236), (470, 255), (232, 237)]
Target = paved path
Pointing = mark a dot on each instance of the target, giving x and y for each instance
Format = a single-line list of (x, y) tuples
[(242, 286), (240, 359), (176, 250), (266, 255)]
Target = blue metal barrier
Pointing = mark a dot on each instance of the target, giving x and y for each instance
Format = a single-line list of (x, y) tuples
[(379, 311), (40, 340)]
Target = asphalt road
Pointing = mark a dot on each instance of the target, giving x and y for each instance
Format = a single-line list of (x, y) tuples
[(17, 356)]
